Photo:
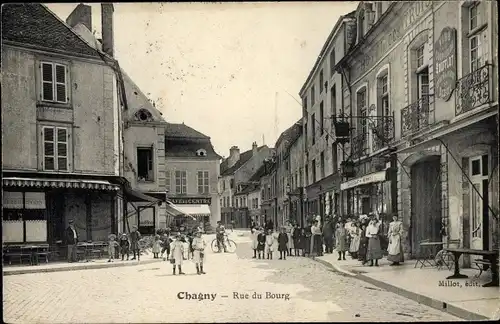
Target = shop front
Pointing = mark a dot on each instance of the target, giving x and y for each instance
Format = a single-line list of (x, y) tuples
[(196, 208), (319, 195), (38, 209)]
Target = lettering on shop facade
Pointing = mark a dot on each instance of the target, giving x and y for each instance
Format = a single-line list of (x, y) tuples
[(445, 69), (191, 201), (391, 37)]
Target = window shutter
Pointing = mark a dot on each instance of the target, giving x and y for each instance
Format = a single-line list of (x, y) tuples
[(62, 149), (47, 82), (48, 149), (60, 81)]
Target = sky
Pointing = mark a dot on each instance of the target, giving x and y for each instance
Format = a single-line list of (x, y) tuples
[(232, 71)]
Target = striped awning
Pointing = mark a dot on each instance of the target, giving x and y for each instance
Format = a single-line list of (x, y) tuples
[(59, 183)]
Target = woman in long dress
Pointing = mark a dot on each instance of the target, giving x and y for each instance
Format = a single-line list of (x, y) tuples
[(363, 244), (395, 249), (341, 239), (355, 240), (177, 254), (290, 246), (254, 235), (374, 252), (316, 241)]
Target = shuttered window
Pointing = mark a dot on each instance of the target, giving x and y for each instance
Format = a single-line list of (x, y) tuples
[(54, 82), (55, 148)]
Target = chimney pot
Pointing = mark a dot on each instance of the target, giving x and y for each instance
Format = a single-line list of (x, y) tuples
[(82, 14)]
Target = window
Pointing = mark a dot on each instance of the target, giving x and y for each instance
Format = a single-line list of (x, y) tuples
[(237, 202), (203, 180), (313, 95), (423, 83), (321, 81), (322, 165), (322, 119), (332, 62), (420, 56), (300, 177), (304, 106), (54, 82), (180, 182), (333, 101), (361, 25), (383, 100), (223, 185), (305, 131), (473, 16), (313, 171), (307, 175), (378, 8), (221, 202), (313, 128), (334, 158), (168, 180), (362, 111), (231, 183), (145, 164), (55, 148), (475, 53)]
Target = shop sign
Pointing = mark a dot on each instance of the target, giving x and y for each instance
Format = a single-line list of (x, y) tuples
[(445, 66), (12, 200), (370, 178), (34, 200), (191, 201)]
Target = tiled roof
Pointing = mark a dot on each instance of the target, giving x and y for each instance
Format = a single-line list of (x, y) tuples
[(182, 131), (35, 24), (291, 134), (244, 157), (187, 148)]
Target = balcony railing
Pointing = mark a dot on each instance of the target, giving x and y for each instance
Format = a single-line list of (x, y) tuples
[(383, 132), (359, 146), (473, 90), (416, 116)]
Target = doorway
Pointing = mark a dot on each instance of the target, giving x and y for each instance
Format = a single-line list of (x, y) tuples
[(479, 214), (425, 223)]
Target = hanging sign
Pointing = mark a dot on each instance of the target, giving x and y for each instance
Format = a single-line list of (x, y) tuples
[(445, 66)]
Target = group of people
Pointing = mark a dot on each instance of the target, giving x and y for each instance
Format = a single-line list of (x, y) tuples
[(364, 239)]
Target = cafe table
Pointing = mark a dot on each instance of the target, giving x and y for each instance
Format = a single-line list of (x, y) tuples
[(492, 256), (428, 258)]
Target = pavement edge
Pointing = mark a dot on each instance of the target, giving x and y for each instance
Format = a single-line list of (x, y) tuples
[(14, 272), (421, 299)]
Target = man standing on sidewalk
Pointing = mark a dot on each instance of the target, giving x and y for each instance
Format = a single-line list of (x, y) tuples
[(328, 235), (71, 241)]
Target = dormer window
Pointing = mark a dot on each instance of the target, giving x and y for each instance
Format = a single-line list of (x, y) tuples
[(201, 152), (143, 115)]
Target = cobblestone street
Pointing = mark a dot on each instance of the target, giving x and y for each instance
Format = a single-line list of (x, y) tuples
[(149, 293)]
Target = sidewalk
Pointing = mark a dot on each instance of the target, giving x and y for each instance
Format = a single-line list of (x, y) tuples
[(465, 298)]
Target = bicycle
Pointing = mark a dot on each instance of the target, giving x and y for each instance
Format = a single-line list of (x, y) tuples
[(230, 245)]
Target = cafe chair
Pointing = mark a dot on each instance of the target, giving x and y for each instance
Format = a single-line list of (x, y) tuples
[(42, 250)]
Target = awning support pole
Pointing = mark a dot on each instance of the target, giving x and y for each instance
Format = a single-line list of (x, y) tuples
[(467, 177)]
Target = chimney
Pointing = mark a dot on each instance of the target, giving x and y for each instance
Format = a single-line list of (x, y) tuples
[(82, 14), (254, 149), (108, 43), (234, 156)]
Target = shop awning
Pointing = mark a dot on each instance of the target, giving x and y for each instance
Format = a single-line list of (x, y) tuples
[(195, 210), (59, 183), (137, 196), (380, 176), (184, 210)]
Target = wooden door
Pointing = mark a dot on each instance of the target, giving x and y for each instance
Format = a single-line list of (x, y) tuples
[(425, 204)]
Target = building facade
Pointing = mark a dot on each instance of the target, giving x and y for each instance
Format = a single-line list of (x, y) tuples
[(61, 130), (296, 191), (268, 188), (192, 173), (421, 93), (236, 171), (322, 102)]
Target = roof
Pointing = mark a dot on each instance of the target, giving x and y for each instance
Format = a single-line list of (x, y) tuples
[(34, 24), (324, 49), (254, 181), (244, 157), (290, 135), (186, 147), (183, 131)]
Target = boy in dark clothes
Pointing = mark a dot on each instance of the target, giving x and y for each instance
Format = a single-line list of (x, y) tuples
[(124, 246), (261, 243), (282, 243)]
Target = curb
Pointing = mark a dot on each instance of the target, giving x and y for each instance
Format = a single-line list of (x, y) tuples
[(90, 266), (419, 298)]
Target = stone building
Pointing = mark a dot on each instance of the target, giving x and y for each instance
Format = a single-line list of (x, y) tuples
[(296, 192), (322, 102), (192, 175), (235, 172), (268, 191), (61, 129), (429, 66)]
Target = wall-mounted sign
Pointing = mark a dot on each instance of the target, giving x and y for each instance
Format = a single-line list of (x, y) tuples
[(445, 66), (34, 200), (191, 201), (370, 178), (12, 200)]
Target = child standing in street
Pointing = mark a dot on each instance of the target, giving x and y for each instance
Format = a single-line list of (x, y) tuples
[(261, 243), (283, 243), (124, 246), (269, 244), (166, 240), (198, 246), (254, 235), (112, 245), (177, 254), (156, 247)]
